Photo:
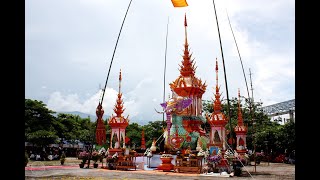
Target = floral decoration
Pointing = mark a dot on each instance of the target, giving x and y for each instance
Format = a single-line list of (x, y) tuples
[(84, 155), (102, 153), (95, 156), (113, 158)]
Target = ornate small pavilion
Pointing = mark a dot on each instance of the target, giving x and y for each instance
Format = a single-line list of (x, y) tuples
[(217, 119), (118, 123), (241, 131)]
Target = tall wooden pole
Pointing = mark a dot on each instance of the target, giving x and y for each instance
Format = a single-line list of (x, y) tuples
[(225, 73), (253, 125), (249, 99), (164, 73), (244, 75), (105, 85), (114, 50)]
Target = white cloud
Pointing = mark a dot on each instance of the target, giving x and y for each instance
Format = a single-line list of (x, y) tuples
[(71, 102)]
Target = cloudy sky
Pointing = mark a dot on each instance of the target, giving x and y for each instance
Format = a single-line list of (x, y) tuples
[(69, 46)]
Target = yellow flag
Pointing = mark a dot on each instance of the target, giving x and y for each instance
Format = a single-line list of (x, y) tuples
[(179, 3)]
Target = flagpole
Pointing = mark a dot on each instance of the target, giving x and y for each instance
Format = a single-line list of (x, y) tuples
[(162, 143), (250, 100), (245, 79), (164, 72), (224, 70), (253, 125), (104, 89)]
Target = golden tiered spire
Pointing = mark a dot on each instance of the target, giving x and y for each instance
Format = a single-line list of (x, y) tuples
[(241, 131), (240, 128), (118, 123), (240, 120), (217, 102), (187, 68), (217, 117), (118, 107), (187, 80), (187, 84)]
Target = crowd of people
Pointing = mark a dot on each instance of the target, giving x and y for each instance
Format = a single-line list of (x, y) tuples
[(50, 153), (45, 154)]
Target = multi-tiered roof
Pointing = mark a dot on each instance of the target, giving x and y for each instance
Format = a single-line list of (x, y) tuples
[(240, 128), (187, 83), (217, 117), (119, 121)]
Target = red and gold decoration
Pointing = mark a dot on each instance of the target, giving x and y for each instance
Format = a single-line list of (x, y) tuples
[(187, 89), (118, 123), (143, 141), (241, 131), (217, 119), (187, 84), (176, 140), (101, 129), (166, 164)]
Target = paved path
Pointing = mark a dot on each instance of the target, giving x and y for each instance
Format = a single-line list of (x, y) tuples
[(263, 171)]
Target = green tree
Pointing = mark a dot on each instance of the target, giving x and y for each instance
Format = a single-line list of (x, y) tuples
[(39, 122), (133, 131), (267, 133), (69, 127), (42, 137), (37, 116), (153, 130), (87, 132), (286, 137)]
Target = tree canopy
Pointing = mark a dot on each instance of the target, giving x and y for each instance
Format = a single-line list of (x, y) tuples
[(42, 127), (268, 134)]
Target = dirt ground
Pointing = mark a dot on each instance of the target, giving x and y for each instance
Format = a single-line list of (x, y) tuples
[(38, 170)]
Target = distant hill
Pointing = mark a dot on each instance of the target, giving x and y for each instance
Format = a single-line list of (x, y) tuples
[(83, 115)]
